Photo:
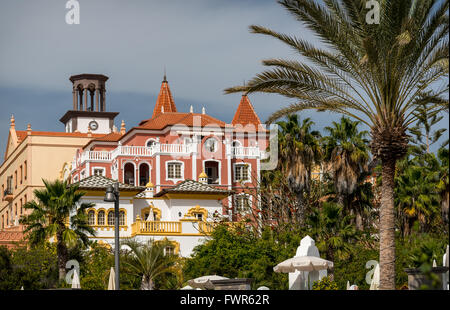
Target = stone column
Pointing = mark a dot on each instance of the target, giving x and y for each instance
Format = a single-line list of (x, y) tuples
[(75, 99), (86, 98), (97, 96), (104, 100)]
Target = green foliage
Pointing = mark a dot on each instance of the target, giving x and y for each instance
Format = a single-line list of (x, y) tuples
[(324, 284), (33, 268), (353, 268), (237, 254), (95, 267)]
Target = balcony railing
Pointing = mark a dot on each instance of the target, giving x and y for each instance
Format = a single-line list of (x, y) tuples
[(245, 151), (144, 151), (155, 227)]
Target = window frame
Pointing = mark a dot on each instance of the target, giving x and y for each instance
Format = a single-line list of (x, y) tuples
[(249, 170), (174, 162)]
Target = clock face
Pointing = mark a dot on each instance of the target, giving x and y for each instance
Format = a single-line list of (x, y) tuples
[(93, 125)]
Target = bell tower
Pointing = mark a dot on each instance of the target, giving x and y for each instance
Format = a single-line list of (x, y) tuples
[(89, 106)]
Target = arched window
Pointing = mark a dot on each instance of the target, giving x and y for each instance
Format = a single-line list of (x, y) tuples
[(236, 143), (91, 217), (111, 218), (128, 174), (150, 143), (101, 218), (121, 218), (144, 174)]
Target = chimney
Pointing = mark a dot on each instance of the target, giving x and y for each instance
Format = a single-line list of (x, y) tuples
[(191, 109), (203, 110), (29, 129)]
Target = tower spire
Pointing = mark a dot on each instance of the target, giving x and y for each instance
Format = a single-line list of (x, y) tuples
[(165, 77)]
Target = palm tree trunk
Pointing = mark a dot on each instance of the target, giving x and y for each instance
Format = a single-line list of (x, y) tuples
[(61, 251), (387, 226), (147, 284)]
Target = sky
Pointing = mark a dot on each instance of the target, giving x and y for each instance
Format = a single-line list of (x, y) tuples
[(205, 46)]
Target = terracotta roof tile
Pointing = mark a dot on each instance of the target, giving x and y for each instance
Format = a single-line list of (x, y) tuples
[(189, 119), (164, 100), (245, 114), (23, 134), (111, 137)]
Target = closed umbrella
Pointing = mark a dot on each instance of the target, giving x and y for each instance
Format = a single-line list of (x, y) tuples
[(112, 280), (205, 281), (75, 280), (375, 284), (303, 263)]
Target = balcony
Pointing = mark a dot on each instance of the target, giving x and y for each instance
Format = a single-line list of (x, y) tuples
[(8, 195), (245, 151), (156, 149), (192, 227), (155, 228)]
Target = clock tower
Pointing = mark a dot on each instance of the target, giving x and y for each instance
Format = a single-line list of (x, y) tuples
[(89, 106)]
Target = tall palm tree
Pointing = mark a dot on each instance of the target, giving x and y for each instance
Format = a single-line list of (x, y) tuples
[(374, 72), (347, 154), (299, 151), (148, 260), (51, 209)]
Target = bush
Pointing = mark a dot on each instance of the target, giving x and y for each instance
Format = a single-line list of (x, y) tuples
[(324, 284)]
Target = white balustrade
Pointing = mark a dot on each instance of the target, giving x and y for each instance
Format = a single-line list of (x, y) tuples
[(245, 151)]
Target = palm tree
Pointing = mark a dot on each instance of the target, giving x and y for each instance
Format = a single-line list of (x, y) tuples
[(299, 151), (148, 260), (426, 119), (376, 73), (332, 230), (416, 194), (347, 155), (51, 209), (443, 186)]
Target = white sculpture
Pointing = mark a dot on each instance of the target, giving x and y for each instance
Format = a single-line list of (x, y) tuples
[(299, 280)]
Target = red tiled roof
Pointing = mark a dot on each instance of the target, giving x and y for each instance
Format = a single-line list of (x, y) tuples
[(245, 114), (111, 137), (22, 134), (164, 99), (189, 119)]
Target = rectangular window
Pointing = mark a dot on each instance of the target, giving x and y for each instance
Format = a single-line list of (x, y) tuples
[(174, 171), (170, 250), (25, 170), (21, 206), (99, 171), (15, 179), (15, 207), (241, 172), (9, 184), (21, 174), (242, 203)]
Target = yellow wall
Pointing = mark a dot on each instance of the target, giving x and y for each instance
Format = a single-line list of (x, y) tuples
[(45, 156)]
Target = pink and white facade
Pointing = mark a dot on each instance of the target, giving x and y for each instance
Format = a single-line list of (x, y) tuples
[(173, 146)]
